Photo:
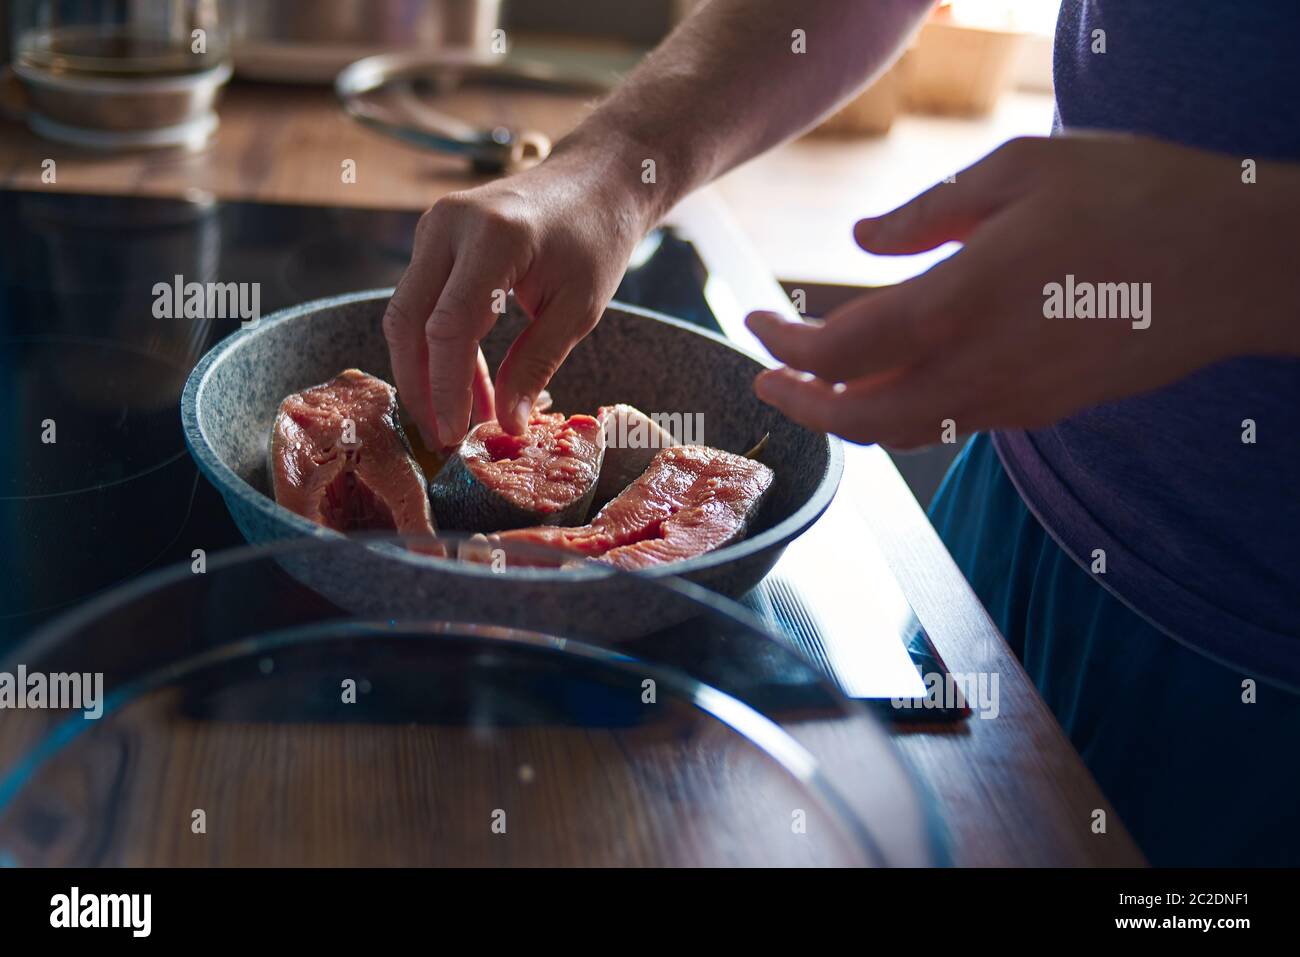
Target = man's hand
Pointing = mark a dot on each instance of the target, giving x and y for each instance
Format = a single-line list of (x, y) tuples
[(734, 78), (560, 236), (969, 339)]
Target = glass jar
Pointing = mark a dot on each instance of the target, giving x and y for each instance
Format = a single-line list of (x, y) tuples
[(120, 38), (122, 73)]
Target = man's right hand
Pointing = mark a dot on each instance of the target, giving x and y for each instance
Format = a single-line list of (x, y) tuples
[(731, 81), (560, 235)]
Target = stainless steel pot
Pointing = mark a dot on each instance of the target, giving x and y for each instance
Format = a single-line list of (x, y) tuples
[(310, 41)]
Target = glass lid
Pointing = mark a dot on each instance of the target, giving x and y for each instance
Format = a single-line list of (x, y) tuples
[(291, 705)]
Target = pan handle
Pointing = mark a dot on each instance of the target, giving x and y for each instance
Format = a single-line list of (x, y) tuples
[(412, 120)]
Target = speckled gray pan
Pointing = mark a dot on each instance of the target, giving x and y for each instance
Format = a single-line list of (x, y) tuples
[(655, 363)]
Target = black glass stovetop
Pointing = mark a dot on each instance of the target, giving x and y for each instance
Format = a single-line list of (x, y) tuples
[(95, 484)]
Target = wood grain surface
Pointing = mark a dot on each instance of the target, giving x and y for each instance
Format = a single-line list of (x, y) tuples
[(276, 144), (681, 791)]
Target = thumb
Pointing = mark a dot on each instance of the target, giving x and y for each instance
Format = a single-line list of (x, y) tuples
[(947, 211), (484, 405), (537, 353)]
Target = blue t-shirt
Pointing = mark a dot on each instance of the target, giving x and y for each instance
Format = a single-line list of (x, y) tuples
[(1201, 530)]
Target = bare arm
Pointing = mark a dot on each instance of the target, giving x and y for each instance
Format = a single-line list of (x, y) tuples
[(736, 78), (739, 77)]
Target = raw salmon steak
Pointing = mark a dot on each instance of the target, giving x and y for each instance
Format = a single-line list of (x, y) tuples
[(496, 480), (632, 440), (691, 500), (339, 458)]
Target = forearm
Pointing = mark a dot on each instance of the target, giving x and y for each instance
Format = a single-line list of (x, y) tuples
[(732, 81)]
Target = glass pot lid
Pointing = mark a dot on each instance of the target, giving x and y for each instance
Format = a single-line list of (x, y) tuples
[(246, 710)]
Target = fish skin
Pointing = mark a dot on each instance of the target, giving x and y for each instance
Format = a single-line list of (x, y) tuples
[(550, 481), (692, 499), (627, 459), (374, 484)]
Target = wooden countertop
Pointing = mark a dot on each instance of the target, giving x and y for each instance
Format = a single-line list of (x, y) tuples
[(1012, 790)]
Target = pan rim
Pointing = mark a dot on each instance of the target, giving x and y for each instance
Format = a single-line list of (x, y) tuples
[(229, 482)]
